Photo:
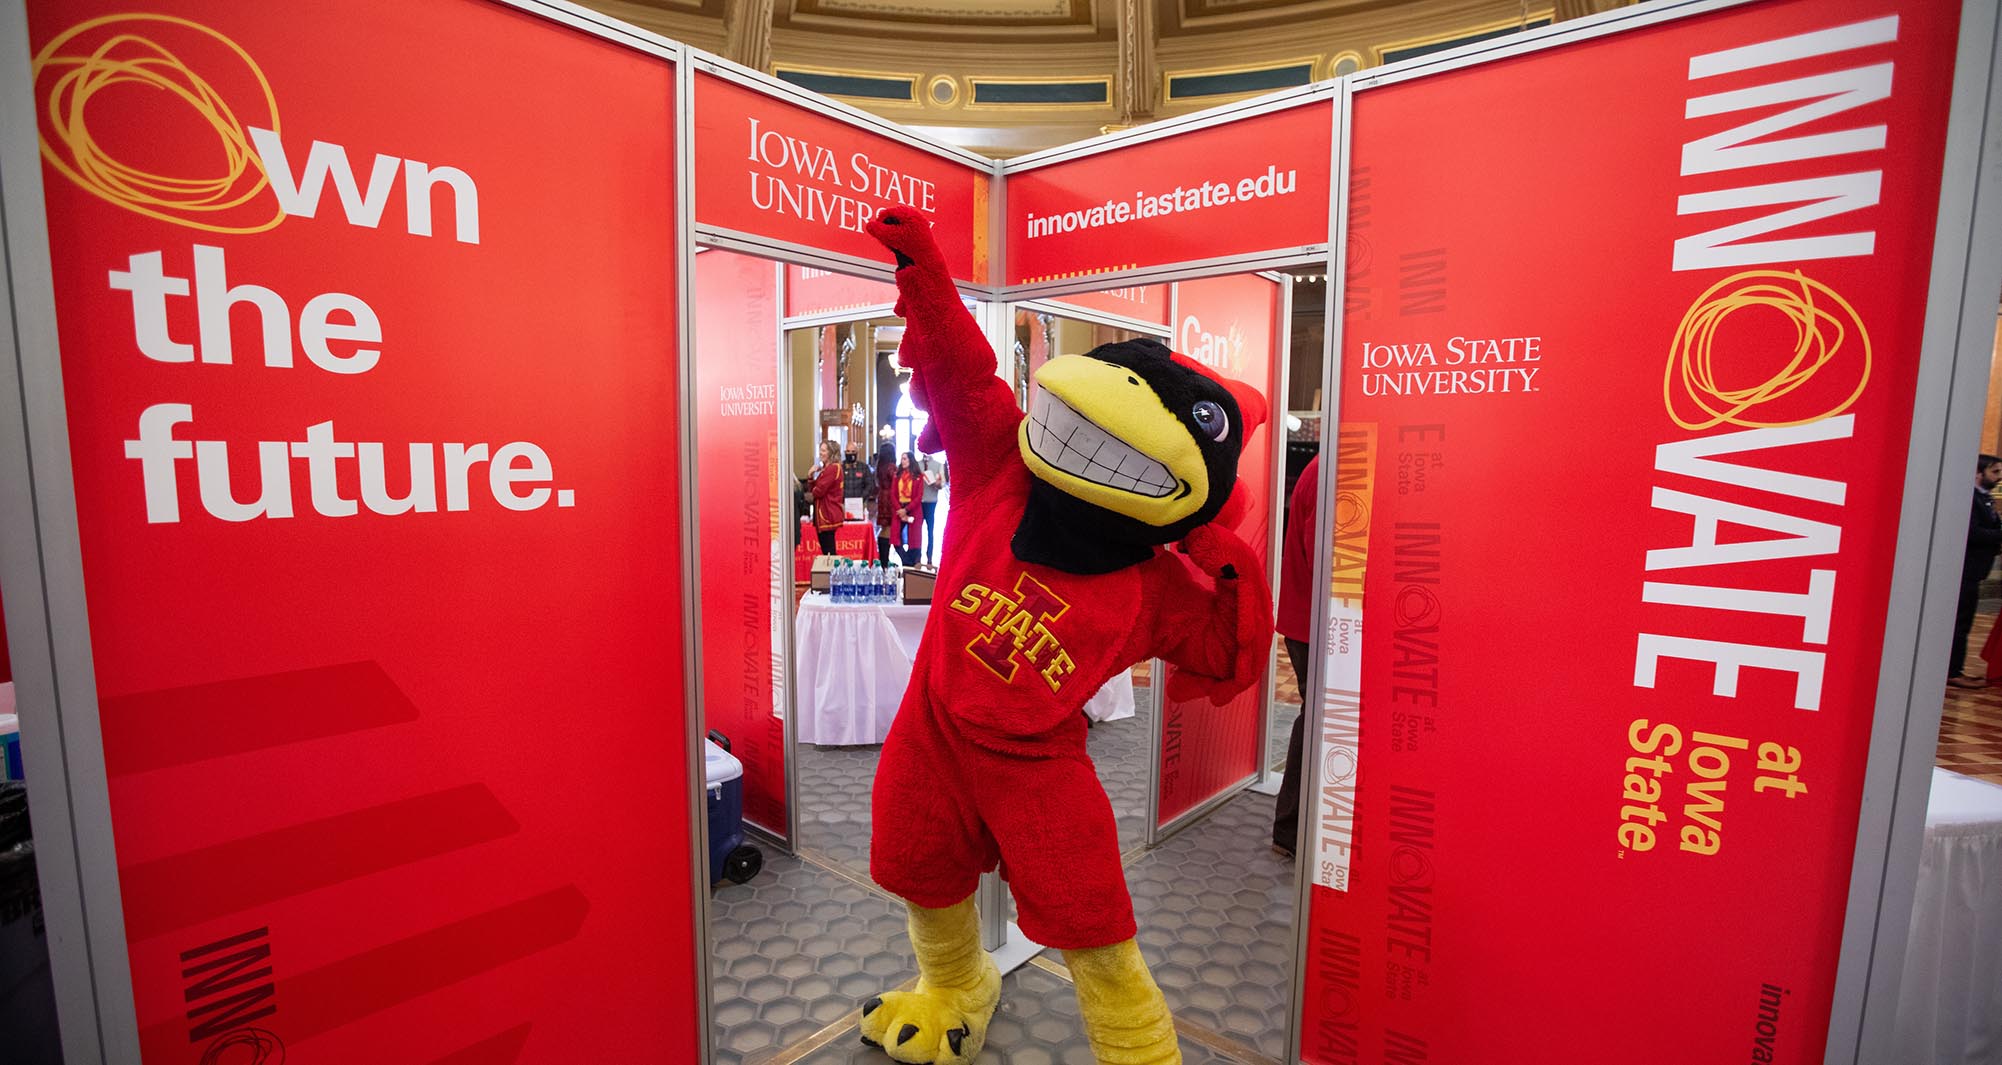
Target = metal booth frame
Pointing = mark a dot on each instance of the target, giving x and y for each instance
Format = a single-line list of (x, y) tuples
[(41, 566), (1955, 353), (997, 934), (1318, 254)]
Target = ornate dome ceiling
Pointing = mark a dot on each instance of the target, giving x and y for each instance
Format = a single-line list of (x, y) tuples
[(1009, 76)]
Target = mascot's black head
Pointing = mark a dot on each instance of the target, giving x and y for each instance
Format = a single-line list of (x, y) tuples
[(1131, 446)]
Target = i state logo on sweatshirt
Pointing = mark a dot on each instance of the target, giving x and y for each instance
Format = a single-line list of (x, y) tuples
[(1017, 627)]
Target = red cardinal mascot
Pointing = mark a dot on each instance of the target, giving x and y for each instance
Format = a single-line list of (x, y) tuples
[(1054, 580)]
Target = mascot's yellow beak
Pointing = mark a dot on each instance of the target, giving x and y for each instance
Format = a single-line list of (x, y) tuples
[(1099, 432)]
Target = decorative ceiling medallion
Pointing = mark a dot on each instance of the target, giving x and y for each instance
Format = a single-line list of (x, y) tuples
[(1345, 63)]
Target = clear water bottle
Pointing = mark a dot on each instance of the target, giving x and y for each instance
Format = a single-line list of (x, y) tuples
[(894, 594), (837, 581), (882, 582)]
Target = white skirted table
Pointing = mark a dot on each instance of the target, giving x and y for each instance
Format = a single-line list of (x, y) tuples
[(1950, 1003), (855, 661)]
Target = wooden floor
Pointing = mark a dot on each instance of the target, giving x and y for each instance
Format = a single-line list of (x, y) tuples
[(1970, 725)]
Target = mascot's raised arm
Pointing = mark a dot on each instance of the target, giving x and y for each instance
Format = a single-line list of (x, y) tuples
[(1054, 579)]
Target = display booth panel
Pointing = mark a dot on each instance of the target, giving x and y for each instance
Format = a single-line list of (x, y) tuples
[(1627, 381), (377, 508), (811, 292), (1234, 326), (743, 548), (811, 179), (1223, 189), (1147, 304)]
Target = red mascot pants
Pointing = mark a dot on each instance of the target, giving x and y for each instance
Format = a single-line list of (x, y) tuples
[(947, 809)]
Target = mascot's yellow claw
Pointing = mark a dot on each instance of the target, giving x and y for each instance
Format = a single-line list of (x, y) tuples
[(1125, 1016), (943, 1021)]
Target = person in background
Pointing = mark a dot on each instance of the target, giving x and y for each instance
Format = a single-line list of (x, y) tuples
[(1295, 623), (1984, 539), (867, 487), (826, 492), (886, 500), (910, 508), (934, 476)]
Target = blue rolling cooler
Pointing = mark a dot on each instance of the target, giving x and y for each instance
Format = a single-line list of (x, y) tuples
[(730, 857)]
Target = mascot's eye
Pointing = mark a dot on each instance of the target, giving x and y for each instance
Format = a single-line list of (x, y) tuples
[(1211, 419)]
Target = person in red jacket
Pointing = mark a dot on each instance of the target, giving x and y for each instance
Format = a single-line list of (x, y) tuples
[(1296, 626), (907, 538), (1054, 579), (886, 501), (828, 513)]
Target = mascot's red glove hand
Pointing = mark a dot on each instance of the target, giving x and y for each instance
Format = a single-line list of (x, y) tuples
[(924, 289), (1244, 614)]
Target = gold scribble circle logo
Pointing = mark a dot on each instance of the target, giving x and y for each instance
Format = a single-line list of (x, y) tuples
[(1351, 513), (1706, 387), (154, 52)]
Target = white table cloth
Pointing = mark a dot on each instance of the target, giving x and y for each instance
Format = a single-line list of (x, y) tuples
[(1950, 1004), (855, 661)]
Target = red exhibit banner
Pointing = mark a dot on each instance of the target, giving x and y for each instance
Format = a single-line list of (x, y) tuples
[(1251, 185), (1143, 303), (743, 554), (1231, 325), (813, 291), (1632, 333), (377, 486), (775, 169), (855, 539)]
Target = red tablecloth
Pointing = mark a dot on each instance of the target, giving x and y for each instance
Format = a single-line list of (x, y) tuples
[(856, 539)]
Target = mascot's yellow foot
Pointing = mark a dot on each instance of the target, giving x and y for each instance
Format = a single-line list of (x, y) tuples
[(932, 1025), (944, 1020), (1125, 1016)]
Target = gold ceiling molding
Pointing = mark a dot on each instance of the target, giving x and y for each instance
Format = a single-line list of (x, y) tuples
[(960, 58), (1070, 12), (711, 8), (1530, 17), (871, 103), (687, 21), (1314, 64), (1179, 18), (1075, 41), (1366, 33), (1102, 106), (997, 22)]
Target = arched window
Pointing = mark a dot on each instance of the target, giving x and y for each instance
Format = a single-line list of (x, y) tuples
[(909, 421)]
